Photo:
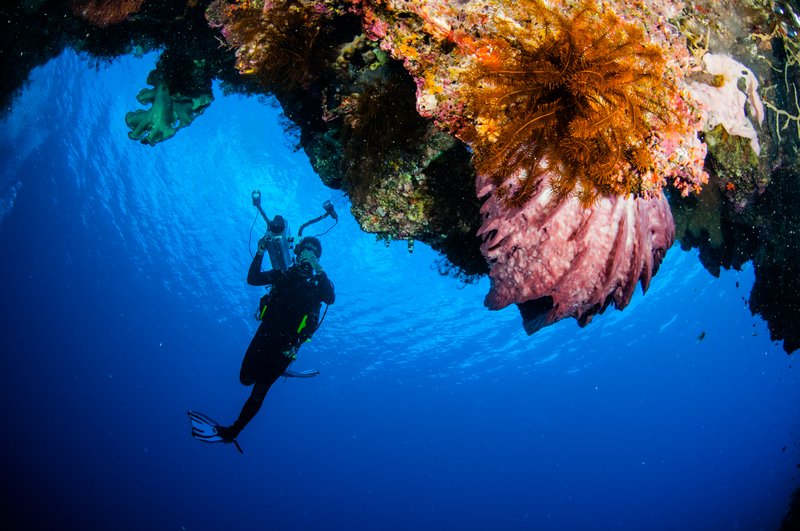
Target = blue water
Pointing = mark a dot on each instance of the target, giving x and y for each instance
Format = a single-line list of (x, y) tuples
[(124, 304)]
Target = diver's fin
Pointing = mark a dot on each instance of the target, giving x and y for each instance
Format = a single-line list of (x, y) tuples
[(300, 374), (204, 429)]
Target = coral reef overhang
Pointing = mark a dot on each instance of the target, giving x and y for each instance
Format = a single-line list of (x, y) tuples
[(383, 97), (576, 118)]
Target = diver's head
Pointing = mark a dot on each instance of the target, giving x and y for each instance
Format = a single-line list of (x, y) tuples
[(309, 243), (305, 264)]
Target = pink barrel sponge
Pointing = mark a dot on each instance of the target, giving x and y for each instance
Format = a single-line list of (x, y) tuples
[(582, 258)]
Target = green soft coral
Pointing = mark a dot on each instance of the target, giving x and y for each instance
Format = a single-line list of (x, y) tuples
[(167, 113)]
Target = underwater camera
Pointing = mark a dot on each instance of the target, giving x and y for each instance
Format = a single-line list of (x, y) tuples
[(278, 236), (279, 243)]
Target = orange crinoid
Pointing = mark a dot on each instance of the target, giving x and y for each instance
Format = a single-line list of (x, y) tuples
[(581, 94)]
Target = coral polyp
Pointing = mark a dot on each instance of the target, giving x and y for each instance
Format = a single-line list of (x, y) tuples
[(577, 93)]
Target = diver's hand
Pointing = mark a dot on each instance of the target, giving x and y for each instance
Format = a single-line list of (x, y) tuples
[(262, 245), (310, 258)]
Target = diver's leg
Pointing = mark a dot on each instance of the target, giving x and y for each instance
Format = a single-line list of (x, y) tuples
[(277, 363), (253, 363), (251, 406)]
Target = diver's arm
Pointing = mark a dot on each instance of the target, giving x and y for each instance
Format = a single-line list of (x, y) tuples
[(325, 288), (256, 277)]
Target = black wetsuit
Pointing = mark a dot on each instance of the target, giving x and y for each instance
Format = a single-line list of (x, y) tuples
[(290, 317)]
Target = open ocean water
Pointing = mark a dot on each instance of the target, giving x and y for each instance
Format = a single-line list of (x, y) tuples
[(123, 303)]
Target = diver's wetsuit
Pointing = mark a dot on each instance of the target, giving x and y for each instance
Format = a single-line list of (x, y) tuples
[(291, 316)]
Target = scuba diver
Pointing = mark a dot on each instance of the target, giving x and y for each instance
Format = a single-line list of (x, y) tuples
[(289, 315)]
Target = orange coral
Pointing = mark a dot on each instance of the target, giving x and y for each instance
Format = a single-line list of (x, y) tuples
[(579, 94), (104, 13)]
